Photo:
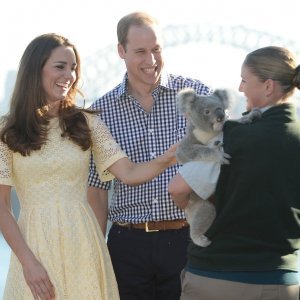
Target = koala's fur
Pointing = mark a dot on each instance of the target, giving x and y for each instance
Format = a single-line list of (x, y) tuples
[(205, 118)]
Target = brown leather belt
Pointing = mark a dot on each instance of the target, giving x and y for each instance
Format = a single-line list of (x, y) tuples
[(156, 225)]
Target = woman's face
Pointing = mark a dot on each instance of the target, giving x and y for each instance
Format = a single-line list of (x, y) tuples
[(59, 74), (253, 89)]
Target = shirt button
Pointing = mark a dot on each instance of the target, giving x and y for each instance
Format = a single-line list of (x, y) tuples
[(151, 131), (155, 200)]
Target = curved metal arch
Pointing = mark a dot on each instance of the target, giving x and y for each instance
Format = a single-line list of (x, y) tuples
[(237, 36), (104, 68)]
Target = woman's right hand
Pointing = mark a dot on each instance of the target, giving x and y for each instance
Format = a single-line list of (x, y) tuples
[(179, 191), (38, 280), (35, 275)]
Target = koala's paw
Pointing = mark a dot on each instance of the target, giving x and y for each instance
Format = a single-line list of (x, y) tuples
[(218, 144), (254, 114), (202, 241), (226, 158), (223, 158)]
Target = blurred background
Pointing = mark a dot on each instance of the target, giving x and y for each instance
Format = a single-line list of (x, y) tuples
[(203, 39)]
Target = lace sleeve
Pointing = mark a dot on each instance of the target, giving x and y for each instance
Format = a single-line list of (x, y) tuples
[(5, 164), (105, 149)]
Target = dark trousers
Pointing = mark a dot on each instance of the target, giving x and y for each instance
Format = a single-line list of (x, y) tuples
[(148, 264)]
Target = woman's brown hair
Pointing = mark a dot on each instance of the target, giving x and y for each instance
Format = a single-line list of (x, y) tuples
[(26, 123)]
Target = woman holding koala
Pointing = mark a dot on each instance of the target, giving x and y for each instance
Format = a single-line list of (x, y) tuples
[(256, 234)]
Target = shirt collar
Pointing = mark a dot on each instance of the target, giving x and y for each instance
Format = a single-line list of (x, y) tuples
[(263, 109), (122, 90), (123, 87)]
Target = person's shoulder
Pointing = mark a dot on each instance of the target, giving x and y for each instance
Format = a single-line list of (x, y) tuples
[(92, 119), (178, 82), (107, 98), (230, 126), (3, 121)]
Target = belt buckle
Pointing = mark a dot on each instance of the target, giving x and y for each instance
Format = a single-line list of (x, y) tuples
[(149, 230), (125, 224)]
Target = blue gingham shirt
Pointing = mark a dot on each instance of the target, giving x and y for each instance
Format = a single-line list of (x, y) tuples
[(143, 136)]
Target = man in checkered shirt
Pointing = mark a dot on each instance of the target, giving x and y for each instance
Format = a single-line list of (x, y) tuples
[(149, 235)]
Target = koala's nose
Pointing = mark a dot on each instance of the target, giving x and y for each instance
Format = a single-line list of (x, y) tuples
[(220, 115)]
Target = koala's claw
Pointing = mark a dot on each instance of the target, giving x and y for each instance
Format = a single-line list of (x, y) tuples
[(226, 158), (254, 114), (219, 145)]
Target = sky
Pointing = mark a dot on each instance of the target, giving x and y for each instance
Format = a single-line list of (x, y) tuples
[(91, 25)]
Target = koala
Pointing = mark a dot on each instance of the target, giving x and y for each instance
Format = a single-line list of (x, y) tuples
[(205, 119)]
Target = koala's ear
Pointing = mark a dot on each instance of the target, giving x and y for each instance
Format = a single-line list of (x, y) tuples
[(185, 98), (224, 95)]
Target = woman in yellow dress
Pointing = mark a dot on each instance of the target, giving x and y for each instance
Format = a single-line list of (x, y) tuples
[(58, 250)]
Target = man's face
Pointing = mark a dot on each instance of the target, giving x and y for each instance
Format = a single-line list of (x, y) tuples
[(143, 56)]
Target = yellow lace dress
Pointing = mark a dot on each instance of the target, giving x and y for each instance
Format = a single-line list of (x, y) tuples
[(55, 218)]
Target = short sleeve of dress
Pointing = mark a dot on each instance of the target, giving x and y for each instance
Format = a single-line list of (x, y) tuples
[(5, 163), (105, 149)]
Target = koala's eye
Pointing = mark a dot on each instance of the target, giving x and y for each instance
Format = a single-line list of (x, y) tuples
[(206, 111)]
